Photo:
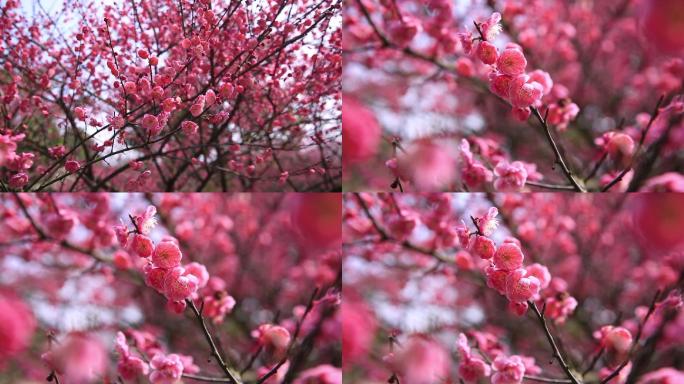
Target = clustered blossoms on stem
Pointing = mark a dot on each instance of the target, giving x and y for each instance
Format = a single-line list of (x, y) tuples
[(507, 274), (162, 368), (508, 78), (164, 271)]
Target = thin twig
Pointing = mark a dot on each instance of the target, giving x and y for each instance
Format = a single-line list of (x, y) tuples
[(206, 378), (621, 175), (550, 186), (214, 351), (556, 151), (556, 352), (617, 371)]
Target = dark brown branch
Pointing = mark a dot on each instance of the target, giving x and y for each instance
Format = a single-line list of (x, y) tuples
[(556, 151), (210, 340), (635, 344), (556, 352), (206, 378)]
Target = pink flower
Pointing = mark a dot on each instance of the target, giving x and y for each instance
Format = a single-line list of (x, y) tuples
[(273, 336), (210, 98), (619, 143), (403, 31), (663, 25), (421, 360), (508, 257), (79, 358), (18, 180), (147, 220), (17, 325), (402, 226), (129, 367), (322, 374), (8, 146), (520, 287), (361, 133), (496, 279), (519, 308), (522, 93), (561, 113), (500, 84), (466, 39), (154, 277), (166, 255), (199, 271), (130, 87), (486, 52), (72, 166), (508, 370), (59, 225), (488, 222), (218, 305), (166, 369), (521, 114), (358, 329), (483, 247), (666, 375), (189, 127), (80, 113), (197, 108), (667, 182), (543, 78), (617, 339), (143, 54), (429, 164), (226, 90), (177, 286), (142, 245), (132, 367), (464, 67), (471, 368), (511, 62), (151, 124), (560, 307), (541, 273), (510, 177), (492, 26)]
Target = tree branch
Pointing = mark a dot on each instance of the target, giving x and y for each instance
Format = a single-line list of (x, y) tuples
[(214, 351), (556, 353)]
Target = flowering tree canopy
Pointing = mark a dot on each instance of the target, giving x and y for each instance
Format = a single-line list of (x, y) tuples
[(99, 288), (165, 95), (512, 288), (513, 95)]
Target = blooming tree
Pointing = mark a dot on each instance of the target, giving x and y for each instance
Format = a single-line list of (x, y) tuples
[(99, 288), (164, 95), (512, 288), (513, 95)]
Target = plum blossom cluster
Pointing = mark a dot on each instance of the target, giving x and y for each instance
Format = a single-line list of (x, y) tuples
[(161, 368), (508, 78), (503, 369), (507, 274), (164, 271)]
